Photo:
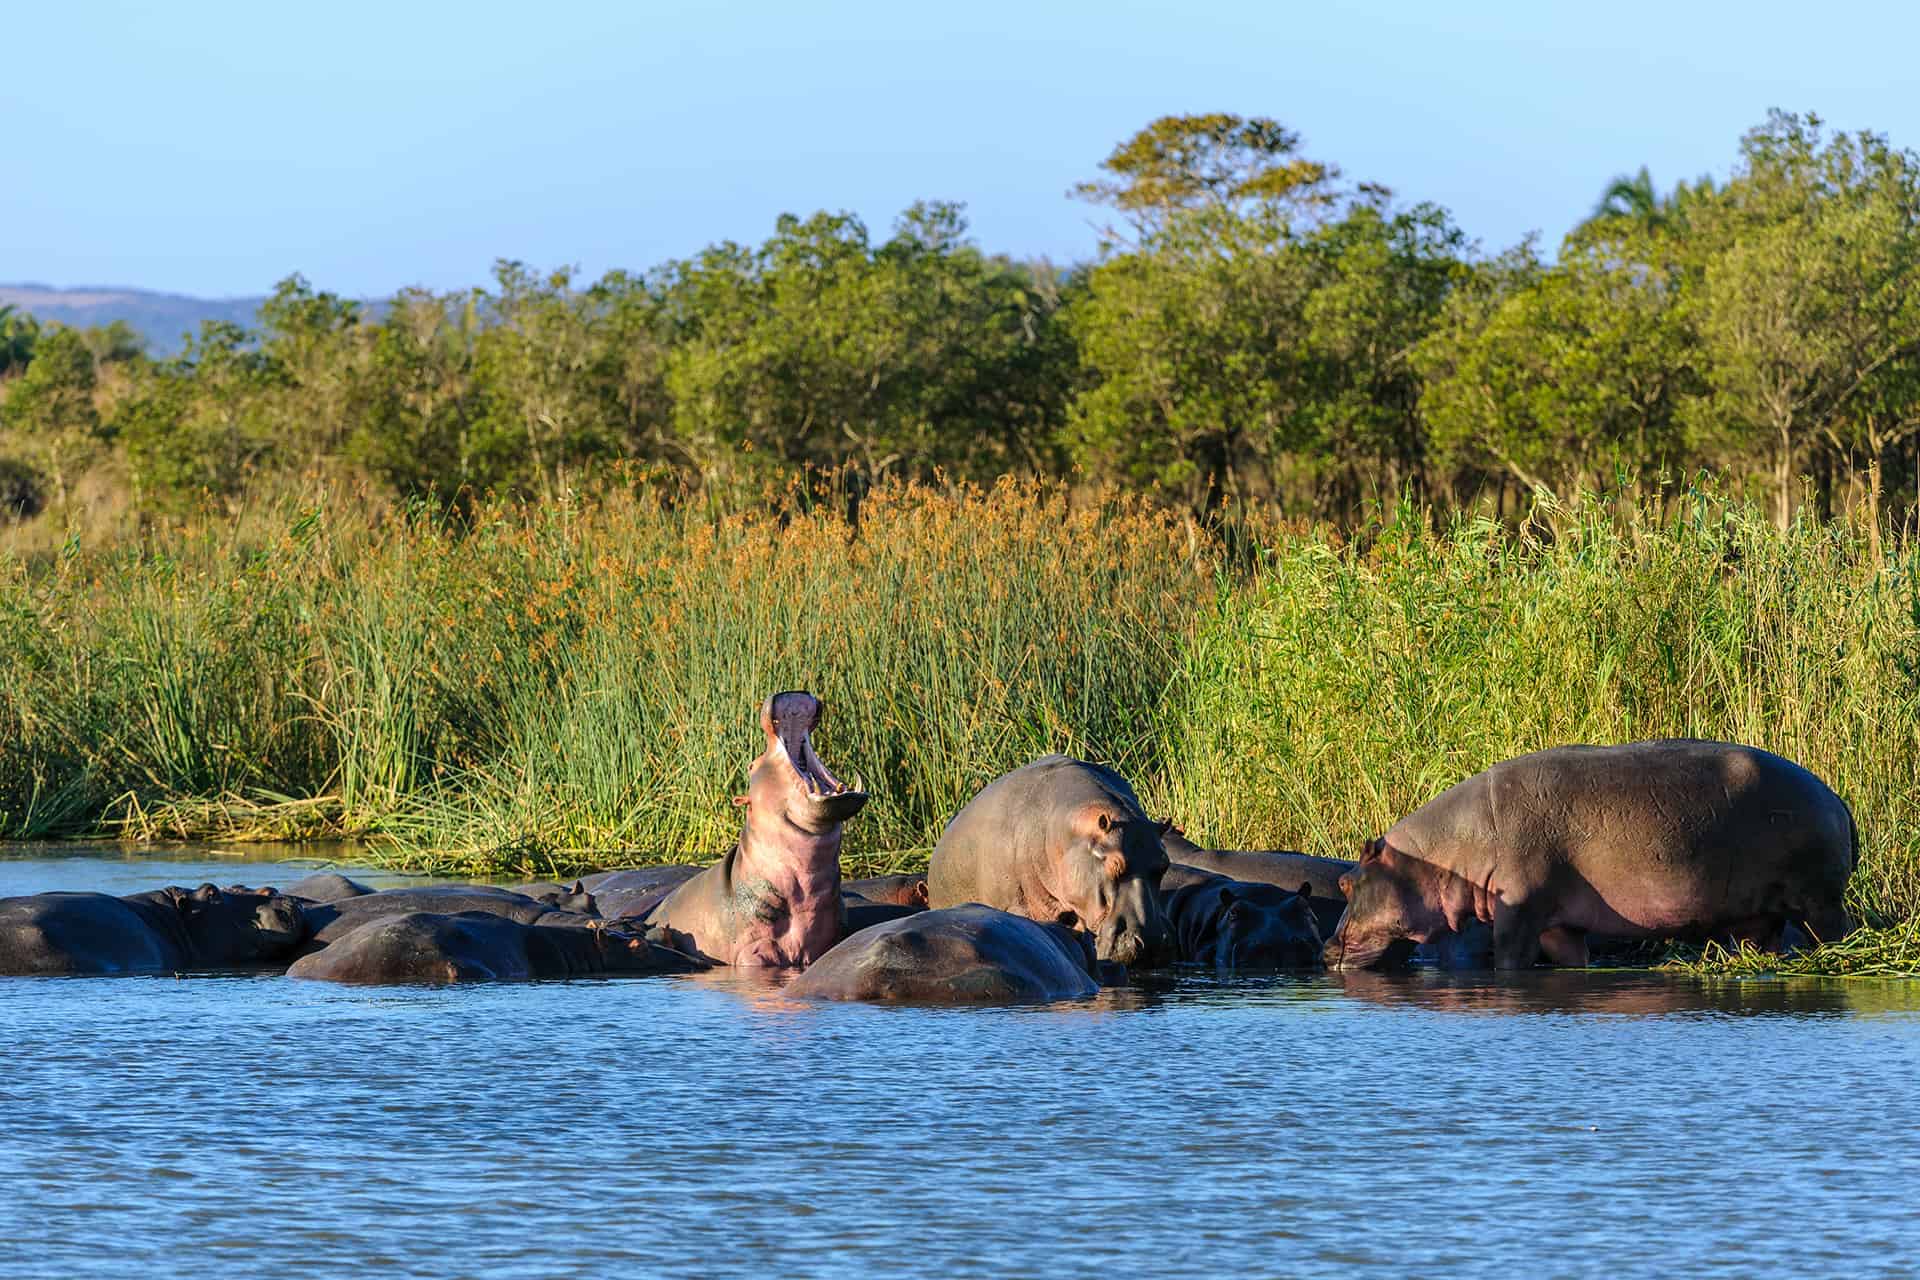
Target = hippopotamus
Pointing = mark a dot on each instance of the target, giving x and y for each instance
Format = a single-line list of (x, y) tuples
[(1281, 867), (329, 921), (473, 946), (903, 890), (1235, 924), (861, 913), (325, 886), (1064, 842), (622, 895), (155, 932), (1669, 838), (774, 899), (956, 955)]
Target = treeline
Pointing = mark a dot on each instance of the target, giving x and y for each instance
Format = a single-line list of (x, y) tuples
[(1255, 329)]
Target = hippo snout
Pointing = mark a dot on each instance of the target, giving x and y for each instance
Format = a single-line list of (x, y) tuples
[(1136, 945)]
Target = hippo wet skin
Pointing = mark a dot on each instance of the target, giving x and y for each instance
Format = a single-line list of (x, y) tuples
[(1234, 924), (774, 900), (1063, 842), (327, 921), (970, 954), (1670, 838), (166, 929), (473, 946), (1281, 867)]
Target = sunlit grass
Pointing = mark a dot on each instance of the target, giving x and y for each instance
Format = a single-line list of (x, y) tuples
[(543, 690)]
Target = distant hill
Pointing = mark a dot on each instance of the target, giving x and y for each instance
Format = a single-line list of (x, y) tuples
[(163, 319)]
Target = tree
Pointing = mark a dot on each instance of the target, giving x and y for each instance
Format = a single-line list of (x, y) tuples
[(1220, 162), (50, 409), (315, 342), (18, 333), (1556, 375), (823, 349), (1808, 294), (202, 423)]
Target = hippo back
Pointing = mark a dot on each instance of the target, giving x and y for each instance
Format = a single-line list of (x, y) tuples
[(966, 954)]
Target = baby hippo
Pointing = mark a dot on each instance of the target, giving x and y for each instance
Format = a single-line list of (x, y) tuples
[(1231, 924)]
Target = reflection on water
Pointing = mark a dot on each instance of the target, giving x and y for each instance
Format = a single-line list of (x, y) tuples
[(1558, 1123), (123, 869)]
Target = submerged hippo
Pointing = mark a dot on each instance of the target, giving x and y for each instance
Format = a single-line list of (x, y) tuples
[(1236, 924), (472, 946), (623, 894), (955, 955), (166, 929), (774, 899), (1063, 842), (1671, 838), (1280, 867), (325, 886), (328, 921)]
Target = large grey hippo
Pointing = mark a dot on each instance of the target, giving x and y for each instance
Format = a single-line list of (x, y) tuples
[(1063, 842), (475, 946), (1670, 838), (955, 955), (166, 929), (774, 899)]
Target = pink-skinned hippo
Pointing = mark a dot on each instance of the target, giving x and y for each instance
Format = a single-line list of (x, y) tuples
[(1237, 924), (955, 955), (1063, 842), (166, 929), (774, 899), (479, 946), (1670, 838)]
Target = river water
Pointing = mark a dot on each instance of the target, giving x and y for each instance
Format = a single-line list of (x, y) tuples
[(1561, 1124)]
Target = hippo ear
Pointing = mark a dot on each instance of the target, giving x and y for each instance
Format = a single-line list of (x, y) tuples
[(578, 887), (1306, 888), (1168, 829), (1371, 849), (1227, 896), (1346, 884), (739, 801)]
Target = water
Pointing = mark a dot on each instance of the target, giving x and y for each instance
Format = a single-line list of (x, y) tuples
[(1569, 1124)]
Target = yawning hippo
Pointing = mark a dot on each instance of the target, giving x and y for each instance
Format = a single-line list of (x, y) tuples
[(1236, 924), (167, 929), (1280, 867), (774, 899), (474, 946), (1064, 842), (956, 955), (1671, 838)]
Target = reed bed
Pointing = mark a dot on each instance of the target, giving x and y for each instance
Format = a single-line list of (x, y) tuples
[(549, 688)]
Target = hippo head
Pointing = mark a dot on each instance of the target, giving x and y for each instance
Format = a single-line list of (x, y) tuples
[(238, 925), (1108, 880), (788, 779), (1387, 913), (1264, 927)]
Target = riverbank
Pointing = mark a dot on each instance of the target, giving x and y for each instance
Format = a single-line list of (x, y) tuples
[(556, 688)]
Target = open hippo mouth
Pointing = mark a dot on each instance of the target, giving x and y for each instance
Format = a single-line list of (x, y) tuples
[(822, 799)]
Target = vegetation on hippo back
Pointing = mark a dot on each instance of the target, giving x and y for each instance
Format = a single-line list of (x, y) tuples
[(544, 689)]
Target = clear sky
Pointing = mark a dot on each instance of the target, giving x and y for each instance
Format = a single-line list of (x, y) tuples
[(212, 147)]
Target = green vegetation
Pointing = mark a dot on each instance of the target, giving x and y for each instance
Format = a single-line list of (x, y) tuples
[(1255, 329), (556, 686)]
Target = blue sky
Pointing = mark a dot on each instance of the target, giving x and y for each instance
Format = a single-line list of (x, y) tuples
[(212, 147)]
